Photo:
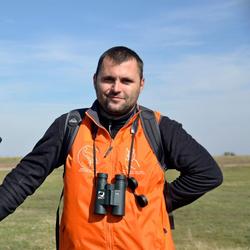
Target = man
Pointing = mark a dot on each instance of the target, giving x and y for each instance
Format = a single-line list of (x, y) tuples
[(107, 143)]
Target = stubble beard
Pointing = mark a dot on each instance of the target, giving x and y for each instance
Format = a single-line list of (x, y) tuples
[(118, 109)]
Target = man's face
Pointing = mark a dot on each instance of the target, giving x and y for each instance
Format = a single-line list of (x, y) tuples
[(118, 86)]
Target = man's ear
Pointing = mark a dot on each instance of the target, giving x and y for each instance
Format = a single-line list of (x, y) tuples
[(94, 80), (142, 84)]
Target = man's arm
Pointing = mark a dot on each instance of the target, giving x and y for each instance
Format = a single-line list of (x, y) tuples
[(199, 173), (32, 170)]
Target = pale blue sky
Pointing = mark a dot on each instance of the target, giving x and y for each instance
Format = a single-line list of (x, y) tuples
[(196, 55)]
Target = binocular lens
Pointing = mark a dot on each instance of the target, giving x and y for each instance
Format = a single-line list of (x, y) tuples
[(141, 200)]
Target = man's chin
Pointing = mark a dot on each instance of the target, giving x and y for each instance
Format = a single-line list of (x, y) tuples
[(116, 111)]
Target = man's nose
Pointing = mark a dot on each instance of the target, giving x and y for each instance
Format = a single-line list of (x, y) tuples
[(116, 86)]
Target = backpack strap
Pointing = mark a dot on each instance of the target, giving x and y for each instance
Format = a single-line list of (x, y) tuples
[(72, 123), (57, 231), (152, 132)]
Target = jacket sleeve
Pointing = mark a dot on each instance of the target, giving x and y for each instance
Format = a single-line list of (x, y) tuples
[(32, 170), (199, 173)]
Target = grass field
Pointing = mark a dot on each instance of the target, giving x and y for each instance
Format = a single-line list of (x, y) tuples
[(219, 220)]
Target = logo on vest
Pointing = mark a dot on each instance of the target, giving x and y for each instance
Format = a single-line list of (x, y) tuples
[(85, 159), (135, 167)]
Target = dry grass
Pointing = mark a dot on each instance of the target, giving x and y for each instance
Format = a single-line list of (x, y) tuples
[(8, 162), (223, 161), (220, 220), (233, 161)]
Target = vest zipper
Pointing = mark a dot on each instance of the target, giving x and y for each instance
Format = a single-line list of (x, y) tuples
[(110, 236), (108, 151)]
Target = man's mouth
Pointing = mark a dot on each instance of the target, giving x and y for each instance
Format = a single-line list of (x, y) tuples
[(113, 97)]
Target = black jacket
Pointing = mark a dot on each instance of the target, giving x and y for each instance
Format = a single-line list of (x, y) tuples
[(199, 173)]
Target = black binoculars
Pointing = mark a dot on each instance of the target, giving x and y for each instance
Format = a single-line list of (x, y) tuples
[(110, 194), (114, 194)]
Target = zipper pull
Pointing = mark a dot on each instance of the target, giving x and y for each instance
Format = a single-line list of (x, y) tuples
[(109, 127), (108, 151), (134, 126)]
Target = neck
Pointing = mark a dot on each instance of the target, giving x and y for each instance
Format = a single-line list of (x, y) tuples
[(114, 123), (116, 117)]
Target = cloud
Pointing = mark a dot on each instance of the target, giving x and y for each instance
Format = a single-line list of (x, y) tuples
[(209, 94), (7, 21), (32, 68), (187, 25), (196, 67), (212, 11), (203, 74), (52, 50)]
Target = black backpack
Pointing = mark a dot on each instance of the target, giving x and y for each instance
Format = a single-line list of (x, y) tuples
[(151, 130)]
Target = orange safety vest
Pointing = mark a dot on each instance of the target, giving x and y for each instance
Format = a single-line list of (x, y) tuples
[(140, 228)]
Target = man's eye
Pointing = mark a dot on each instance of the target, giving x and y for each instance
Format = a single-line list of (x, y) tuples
[(127, 81), (108, 80)]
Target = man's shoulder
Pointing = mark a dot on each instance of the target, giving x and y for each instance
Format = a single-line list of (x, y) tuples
[(72, 116), (166, 121), (76, 111)]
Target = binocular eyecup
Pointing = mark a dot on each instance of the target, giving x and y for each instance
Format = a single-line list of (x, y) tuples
[(140, 199)]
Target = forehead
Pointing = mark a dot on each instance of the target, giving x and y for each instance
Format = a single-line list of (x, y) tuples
[(129, 67)]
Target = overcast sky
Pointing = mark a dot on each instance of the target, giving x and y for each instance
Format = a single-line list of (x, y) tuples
[(196, 55)]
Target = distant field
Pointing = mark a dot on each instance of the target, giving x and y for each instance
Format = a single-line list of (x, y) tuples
[(233, 161), (8, 162), (219, 220), (223, 161)]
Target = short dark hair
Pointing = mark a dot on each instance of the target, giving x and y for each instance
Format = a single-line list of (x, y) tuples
[(120, 54)]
